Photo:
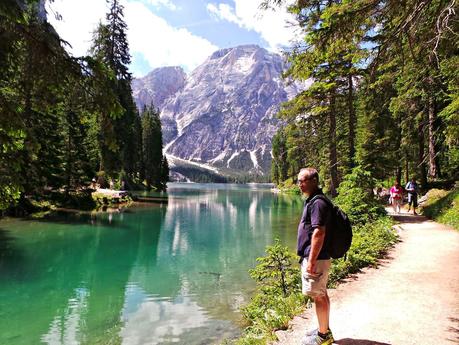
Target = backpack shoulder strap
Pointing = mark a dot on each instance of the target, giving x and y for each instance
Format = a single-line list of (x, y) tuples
[(322, 197)]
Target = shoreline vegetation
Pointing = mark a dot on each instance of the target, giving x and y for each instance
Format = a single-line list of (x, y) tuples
[(83, 200)]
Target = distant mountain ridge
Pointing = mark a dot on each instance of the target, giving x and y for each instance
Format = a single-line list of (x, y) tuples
[(157, 86), (222, 115)]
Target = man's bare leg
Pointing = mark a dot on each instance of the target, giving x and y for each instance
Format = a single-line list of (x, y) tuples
[(323, 312)]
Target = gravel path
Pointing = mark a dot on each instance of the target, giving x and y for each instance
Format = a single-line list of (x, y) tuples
[(411, 298)]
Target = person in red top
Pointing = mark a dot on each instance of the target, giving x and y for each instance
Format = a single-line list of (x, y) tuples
[(396, 195)]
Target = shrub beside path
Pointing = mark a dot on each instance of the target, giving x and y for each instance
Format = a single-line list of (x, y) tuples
[(411, 298)]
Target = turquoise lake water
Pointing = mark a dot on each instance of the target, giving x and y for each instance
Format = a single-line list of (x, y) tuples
[(169, 272)]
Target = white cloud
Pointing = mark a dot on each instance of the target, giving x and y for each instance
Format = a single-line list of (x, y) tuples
[(162, 44), (224, 11), (148, 34), (166, 3), (273, 26), (78, 22)]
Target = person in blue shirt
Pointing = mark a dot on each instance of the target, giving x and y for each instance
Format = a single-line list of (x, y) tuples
[(315, 260), (412, 189)]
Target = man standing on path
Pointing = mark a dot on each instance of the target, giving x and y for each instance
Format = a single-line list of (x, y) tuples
[(412, 189), (315, 261)]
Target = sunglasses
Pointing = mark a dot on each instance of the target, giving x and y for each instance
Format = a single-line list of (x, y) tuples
[(304, 180)]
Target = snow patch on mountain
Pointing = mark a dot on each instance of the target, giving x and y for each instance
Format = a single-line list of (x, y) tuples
[(254, 159), (234, 155), (244, 64), (174, 161)]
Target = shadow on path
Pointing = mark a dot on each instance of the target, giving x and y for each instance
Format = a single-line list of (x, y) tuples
[(349, 341), (408, 217), (454, 329)]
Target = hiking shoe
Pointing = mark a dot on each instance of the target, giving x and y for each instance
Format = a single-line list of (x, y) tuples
[(314, 331), (312, 338)]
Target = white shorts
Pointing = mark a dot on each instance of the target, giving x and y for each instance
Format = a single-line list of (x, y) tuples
[(315, 285)]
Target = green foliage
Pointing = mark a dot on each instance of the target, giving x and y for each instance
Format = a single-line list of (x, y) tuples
[(279, 166), (278, 298), (443, 206), (8, 194), (33, 99), (197, 174), (275, 272), (356, 197), (384, 90), (118, 139), (81, 200), (376, 150), (289, 187), (450, 114), (104, 199), (63, 118), (156, 168), (267, 313)]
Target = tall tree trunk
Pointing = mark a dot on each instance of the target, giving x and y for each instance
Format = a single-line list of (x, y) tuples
[(398, 174), (421, 155), (352, 121), (69, 167), (398, 152), (407, 173), (433, 170), (28, 166), (333, 161)]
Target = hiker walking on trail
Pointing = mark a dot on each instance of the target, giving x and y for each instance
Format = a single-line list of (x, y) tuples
[(412, 189), (315, 261), (396, 196)]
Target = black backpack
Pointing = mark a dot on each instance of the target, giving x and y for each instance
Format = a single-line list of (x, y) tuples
[(339, 236)]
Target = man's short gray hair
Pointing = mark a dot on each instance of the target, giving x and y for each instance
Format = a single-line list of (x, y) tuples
[(310, 173)]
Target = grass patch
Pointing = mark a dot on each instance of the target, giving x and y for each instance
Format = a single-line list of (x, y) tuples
[(104, 199), (443, 206)]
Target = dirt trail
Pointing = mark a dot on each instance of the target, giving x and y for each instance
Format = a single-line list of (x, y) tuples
[(411, 298)]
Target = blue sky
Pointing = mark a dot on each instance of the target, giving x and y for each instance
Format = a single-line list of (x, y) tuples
[(175, 32)]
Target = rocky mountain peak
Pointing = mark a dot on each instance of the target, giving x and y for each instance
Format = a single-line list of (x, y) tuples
[(223, 116), (158, 85)]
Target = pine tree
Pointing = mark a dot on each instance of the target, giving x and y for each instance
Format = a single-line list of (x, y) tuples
[(119, 137), (279, 163), (164, 177), (156, 167)]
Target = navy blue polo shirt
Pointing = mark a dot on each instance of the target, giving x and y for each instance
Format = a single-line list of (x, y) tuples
[(315, 214)]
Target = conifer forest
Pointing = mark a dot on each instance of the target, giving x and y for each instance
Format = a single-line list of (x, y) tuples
[(384, 94), (67, 120)]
